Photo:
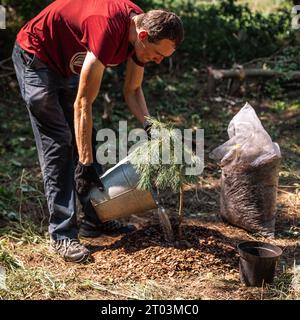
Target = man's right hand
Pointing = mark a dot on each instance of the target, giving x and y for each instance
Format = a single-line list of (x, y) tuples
[(85, 178)]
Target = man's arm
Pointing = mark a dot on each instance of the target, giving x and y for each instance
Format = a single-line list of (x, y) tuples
[(89, 85), (133, 92)]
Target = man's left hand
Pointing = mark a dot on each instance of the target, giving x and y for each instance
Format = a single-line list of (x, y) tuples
[(147, 127)]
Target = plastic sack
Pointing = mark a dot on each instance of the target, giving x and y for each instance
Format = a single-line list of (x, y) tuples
[(250, 169)]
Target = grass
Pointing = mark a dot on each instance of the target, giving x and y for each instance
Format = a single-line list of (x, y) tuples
[(32, 272), (149, 290), (287, 285)]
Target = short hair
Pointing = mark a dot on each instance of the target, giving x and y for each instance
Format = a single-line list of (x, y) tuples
[(162, 24)]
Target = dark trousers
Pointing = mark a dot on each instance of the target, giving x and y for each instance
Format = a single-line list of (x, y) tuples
[(49, 99)]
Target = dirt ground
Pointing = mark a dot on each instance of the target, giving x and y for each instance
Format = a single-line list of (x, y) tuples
[(207, 268), (142, 265)]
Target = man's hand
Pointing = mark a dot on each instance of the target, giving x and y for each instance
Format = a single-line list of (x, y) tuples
[(85, 178), (147, 127)]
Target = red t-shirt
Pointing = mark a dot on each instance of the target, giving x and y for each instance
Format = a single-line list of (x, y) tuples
[(63, 32)]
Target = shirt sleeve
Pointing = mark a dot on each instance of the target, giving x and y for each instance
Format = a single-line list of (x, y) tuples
[(102, 37)]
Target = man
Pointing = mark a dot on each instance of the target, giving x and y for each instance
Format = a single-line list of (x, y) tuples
[(60, 57)]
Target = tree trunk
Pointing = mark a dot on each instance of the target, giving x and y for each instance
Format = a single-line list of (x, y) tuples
[(180, 214)]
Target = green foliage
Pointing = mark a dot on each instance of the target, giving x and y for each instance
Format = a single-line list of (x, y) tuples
[(286, 62), (26, 9), (226, 32), (20, 188), (7, 259), (159, 167), (17, 14), (231, 33)]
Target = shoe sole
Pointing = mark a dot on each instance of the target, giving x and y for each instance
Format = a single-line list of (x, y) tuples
[(86, 258)]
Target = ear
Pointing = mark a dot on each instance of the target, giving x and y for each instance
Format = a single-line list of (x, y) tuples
[(142, 35)]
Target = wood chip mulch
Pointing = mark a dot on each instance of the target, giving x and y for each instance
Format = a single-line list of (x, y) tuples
[(144, 255)]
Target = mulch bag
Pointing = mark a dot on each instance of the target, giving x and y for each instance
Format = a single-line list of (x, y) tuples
[(250, 168)]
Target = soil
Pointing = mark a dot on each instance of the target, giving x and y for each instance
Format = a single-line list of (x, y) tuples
[(205, 265)]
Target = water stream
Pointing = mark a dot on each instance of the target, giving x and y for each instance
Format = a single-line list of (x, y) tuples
[(165, 224)]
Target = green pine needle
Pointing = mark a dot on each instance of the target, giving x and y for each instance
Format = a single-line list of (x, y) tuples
[(162, 176)]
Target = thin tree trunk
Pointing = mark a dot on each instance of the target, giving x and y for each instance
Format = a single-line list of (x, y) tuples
[(180, 214)]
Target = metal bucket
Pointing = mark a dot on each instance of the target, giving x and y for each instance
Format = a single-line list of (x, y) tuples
[(121, 197)]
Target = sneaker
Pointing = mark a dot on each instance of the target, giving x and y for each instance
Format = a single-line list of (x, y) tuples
[(71, 250), (92, 230)]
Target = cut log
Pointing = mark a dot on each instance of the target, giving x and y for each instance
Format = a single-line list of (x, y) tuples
[(241, 74)]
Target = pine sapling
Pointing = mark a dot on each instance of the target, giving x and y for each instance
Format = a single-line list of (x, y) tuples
[(162, 162)]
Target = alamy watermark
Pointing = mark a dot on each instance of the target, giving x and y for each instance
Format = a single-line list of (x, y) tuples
[(2, 278), (2, 17), (173, 146), (296, 17)]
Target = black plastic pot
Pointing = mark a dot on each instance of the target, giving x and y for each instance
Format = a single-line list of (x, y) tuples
[(258, 261)]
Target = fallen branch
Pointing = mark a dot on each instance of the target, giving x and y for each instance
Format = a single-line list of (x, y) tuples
[(101, 287), (11, 102), (7, 68), (6, 74), (241, 74), (291, 115), (5, 61)]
